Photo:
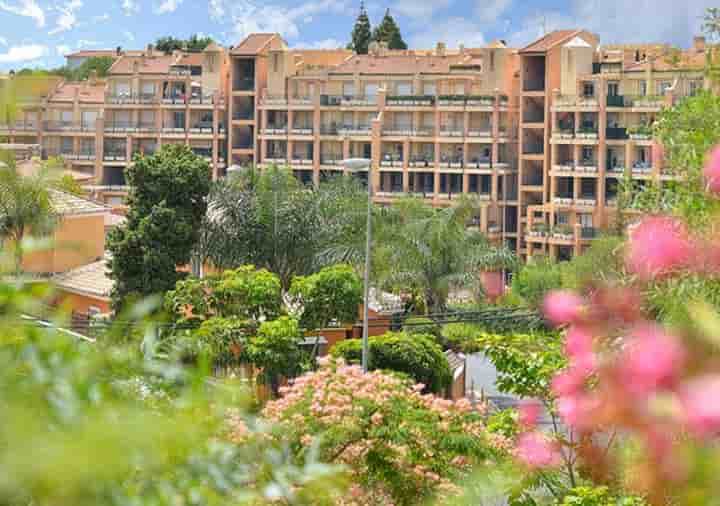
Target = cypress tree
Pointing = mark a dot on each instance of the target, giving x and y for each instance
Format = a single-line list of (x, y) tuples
[(361, 34), (389, 32)]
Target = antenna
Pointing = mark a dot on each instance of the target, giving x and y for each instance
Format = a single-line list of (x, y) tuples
[(544, 24)]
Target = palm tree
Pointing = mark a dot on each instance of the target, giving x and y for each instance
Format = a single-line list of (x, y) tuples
[(25, 206), (431, 251)]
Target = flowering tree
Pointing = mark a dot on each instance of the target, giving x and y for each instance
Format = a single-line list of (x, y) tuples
[(654, 387), (400, 447)]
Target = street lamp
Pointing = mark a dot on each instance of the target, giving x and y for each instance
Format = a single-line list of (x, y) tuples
[(358, 165)]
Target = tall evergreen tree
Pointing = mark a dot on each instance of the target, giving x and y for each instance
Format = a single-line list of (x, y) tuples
[(389, 32), (362, 32)]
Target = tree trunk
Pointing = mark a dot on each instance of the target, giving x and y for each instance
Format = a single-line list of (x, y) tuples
[(19, 236)]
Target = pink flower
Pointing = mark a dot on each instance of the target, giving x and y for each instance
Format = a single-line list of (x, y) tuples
[(651, 361), (562, 307), (529, 413), (493, 284), (658, 245), (577, 411), (535, 451), (700, 399), (569, 382), (712, 170), (579, 348)]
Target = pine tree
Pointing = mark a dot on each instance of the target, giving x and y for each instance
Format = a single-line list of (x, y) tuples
[(389, 32), (361, 34)]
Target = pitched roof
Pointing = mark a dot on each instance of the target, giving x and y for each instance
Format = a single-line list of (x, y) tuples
[(191, 59), (145, 65), (89, 53), (399, 64), (549, 41), (67, 204), (255, 43), (89, 93), (91, 279), (687, 60)]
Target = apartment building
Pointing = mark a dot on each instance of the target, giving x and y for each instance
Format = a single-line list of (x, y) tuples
[(541, 136)]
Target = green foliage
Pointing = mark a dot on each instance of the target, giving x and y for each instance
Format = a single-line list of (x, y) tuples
[(415, 355), (276, 350), (536, 279), (69, 184), (221, 340), (25, 206), (462, 337), (362, 32), (195, 43), (98, 64), (598, 496), (167, 202), (505, 423), (333, 294), (421, 325), (602, 262), (246, 293), (389, 32), (268, 219), (155, 432)]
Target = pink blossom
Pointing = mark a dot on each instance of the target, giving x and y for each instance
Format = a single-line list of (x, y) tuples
[(658, 245), (529, 413), (700, 399), (577, 411), (536, 451), (651, 361), (579, 348), (493, 284), (712, 170), (562, 306), (569, 382)]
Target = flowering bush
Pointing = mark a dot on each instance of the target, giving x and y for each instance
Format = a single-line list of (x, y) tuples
[(400, 446), (642, 400)]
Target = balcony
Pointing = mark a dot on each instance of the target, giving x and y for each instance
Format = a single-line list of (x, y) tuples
[(391, 160), (358, 130), (564, 167), (648, 102), (359, 101), (451, 162), (586, 201), (587, 166), (451, 131), (28, 126), (68, 126), (202, 127), (398, 130), (616, 133), (588, 233), (174, 100), (300, 100), (410, 101), (641, 167), (119, 127), (243, 83), (587, 133), (302, 130), (329, 130), (331, 160), (114, 155), (640, 133), (275, 100), (563, 201), (563, 134), (466, 101), (331, 100), (484, 132), (275, 130), (618, 101), (479, 162), (563, 233), (420, 161)]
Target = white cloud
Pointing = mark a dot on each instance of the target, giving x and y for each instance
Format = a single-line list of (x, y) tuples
[(216, 9), (248, 16), (81, 43), (18, 54), (167, 6), (488, 11), (3, 41), (67, 19), (420, 8), (26, 8), (101, 18), (129, 35), (130, 7), (452, 31), (62, 49)]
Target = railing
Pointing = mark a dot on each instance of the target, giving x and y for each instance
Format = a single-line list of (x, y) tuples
[(331, 100), (244, 84), (422, 161), (68, 126), (587, 133), (174, 100), (328, 129), (451, 131), (616, 133), (132, 98), (118, 155), (330, 159), (275, 100), (275, 130), (617, 101), (202, 128), (466, 100), (300, 101), (359, 100), (647, 102), (355, 129), (302, 130), (588, 233), (410, 100), (21, 127)]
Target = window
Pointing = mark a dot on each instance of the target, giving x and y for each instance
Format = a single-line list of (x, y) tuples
[(371, 90), (122, 89), (276, 62), (147, 118), (66, 145), (93, 311), (195, 70), (429, 89), (66, 116), (148, 88), (588, 90), (348, 89), (613, 89), (586, 220), (404, 88), (587, 153), (88, 119), (663, 86), (562, 219), (643, 88)]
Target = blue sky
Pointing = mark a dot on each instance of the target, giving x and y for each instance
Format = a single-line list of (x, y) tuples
[(36, 33)]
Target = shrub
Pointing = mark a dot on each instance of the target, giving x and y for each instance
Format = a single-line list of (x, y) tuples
[(416, 355), (401, 447)]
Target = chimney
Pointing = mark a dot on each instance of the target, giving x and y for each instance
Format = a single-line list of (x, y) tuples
[(149, 50), (440, 49), (118, 51), (699, 44), (461, 49), (383, 49), (135, 66)]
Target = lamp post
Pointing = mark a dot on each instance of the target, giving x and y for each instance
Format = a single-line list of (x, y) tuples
[(357, 165)]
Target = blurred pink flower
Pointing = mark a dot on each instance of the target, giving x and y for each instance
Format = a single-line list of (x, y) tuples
[(700, 399), (652, 360), (577, 411), (569, 382), (536, 451), (712, 170), (579, 349), (658, 245), (562, 307), (529, 411)]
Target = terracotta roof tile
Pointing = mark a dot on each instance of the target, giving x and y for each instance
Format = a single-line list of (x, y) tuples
[(191, 59), (146, 65), (86, 92), (396, 64), (92, 279), (255, 43), (549, 41)]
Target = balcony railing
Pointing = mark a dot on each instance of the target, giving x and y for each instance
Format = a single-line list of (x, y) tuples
[(114, 155), (131, 98), (588, 233), (359, 100), (302, 130), (410, 100), (68, 126), (420, 161), (359, 129), (329, 129), (244, 84), (618, 101), (616, 133)]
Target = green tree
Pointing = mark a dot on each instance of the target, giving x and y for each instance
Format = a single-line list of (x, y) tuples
[(99, 64), (362, 32), (195, 43), (25, 207), (333, 294), (69, 184), (276, 350), (389, 32), (167, 202), (535, 280), (416, 355)]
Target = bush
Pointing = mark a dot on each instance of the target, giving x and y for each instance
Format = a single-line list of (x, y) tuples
[(401, 447), (417, 355), (598, 496), (536, 279), (333, 294)]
